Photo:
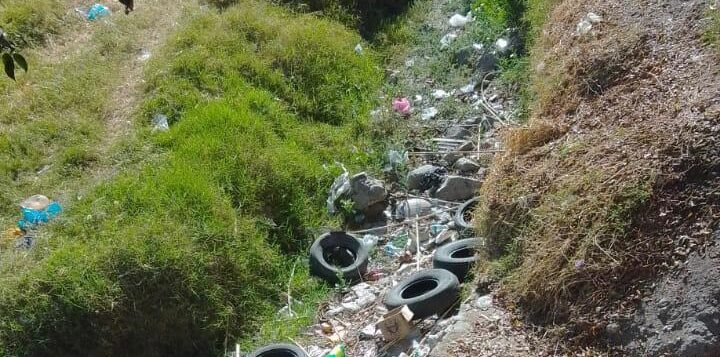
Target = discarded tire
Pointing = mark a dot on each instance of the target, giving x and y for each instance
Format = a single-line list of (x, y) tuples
[(278, 350), (426, 293), (338, 254), (457, 257), (463, 214)]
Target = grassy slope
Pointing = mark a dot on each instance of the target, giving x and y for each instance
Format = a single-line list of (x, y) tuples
[(185, 255), (574, 211)]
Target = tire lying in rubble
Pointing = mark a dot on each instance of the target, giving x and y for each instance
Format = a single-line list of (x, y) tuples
[(278, 350), (462, 216), (338, 254), (457, 257), (426, 293)]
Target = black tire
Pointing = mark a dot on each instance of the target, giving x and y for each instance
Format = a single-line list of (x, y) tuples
[(278, 350), (457, 257), (461, 223), (426, 293), (338, 254)]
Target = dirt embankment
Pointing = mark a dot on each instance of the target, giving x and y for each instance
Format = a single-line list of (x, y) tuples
[(613, 182)]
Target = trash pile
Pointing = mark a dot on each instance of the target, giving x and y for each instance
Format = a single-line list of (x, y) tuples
[(409, 244), (35, 211)]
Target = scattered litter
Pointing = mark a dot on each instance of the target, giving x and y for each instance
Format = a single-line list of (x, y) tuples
[(97, 11), (338, 351), (409, 62), (396, 325), (370, 240), (440, 94), (419, 350), (418, 98), (413, 207), (447, 39), (368, 332), (428, 113), (25, 242), (468, 88), (359, 49), (593, 17), (458, 20), (144, 55), (478, 46), (585, 25), (11, 234), (339, 188), (326, 328), (484, 302), (392, 251), (397, 158), (375, 275), (502, 44), (401, 105), (160, 123), (435, 229), (36, 210)]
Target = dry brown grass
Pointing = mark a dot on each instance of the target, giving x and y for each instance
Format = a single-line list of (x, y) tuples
[(618, 161)]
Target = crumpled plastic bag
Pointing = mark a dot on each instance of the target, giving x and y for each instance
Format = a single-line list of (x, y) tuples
[(97, 11), (401, 105), (397, 158), (447, 39), (340, 187), (458, 20)]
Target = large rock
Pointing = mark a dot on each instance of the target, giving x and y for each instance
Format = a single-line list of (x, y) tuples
[(457, 132), (458, 188), (453, 156), (425, 177), (487, 63), (466, 165), (368, 194)]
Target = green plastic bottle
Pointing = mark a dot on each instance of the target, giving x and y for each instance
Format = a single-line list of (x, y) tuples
[(338, 351)]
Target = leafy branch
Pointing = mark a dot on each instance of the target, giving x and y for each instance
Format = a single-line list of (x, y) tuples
[(10, 57)]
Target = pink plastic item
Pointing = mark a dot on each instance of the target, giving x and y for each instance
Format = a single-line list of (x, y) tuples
[(401, 105)]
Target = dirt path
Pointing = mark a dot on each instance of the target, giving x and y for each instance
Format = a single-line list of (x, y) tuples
[(128, 94)]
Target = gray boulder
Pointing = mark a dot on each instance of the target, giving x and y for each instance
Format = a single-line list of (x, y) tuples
[(487, 63), (453, 156), (458, 188), (466, 165), (424, 177), (457, 132), (368, 194)]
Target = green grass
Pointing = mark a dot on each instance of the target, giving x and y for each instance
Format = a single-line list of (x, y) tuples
[(30, 22), (194, 251), (58, 109), (712, 33)]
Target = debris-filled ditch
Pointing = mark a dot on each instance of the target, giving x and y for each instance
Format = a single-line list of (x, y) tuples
[(401, 268)]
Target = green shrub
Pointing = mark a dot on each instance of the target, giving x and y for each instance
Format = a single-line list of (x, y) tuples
[(308, 63)]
